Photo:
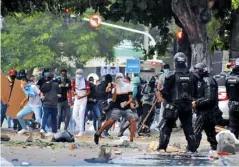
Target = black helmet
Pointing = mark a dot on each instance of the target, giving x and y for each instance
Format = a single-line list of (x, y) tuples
[(201, 69), (180, 61)]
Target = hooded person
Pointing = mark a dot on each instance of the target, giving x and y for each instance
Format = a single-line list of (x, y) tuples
[(148, 92), (122, 97), (104, 98), (82, 90), (50, 91), (135, 106)]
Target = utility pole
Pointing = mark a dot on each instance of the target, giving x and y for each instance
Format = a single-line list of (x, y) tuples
[(146, 40)]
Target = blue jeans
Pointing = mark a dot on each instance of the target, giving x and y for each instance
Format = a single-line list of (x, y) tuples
[(3, 112), (49, 111), (3, 115), (9, 122), (27, 110), (72, 122), (96, 114)]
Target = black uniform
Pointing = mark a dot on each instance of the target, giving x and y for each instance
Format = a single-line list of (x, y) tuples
[(178, 91), (207, 98), (232, 87)]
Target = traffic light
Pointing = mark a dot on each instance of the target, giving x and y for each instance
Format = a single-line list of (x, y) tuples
[(67, 16), (180, 34)]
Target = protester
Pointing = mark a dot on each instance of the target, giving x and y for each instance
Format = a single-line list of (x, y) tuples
[(34, 104), (21, 74), (50, 91), (104, 97), (12, 74), (63, 105), (148, 92), (135, 105), (81, 91), (122, 97), (32, 79), (92, 104), (43, 78)]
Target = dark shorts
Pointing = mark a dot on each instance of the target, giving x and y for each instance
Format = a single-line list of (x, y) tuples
[(116, 114)]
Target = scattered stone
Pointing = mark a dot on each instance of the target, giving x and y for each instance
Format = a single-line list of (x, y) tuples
[(64, 136), (25, 163), (30, 139), (153, 146), (74, 155), (104, 154), (71, 146), (24, 147), (128, 144), (117, 151), (172, 149), (5, 138), (226, 142), (15, 160)]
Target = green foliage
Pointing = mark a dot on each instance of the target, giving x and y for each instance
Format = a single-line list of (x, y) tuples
[(235, 4), (41, 40)]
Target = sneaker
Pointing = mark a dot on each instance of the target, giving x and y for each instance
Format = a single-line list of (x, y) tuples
[(49, 134), (22, 131), (96, 138), (80, 134), (106, 134), (42, 131)]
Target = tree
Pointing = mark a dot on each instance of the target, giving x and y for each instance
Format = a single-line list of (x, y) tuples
[(41, 39), (191, 15)]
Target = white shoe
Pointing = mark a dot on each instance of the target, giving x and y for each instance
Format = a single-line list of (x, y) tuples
[(80, 134), (49, 134), (42, 131), (22, 131)]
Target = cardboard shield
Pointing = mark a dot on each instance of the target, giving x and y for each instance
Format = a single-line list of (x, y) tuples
[(16, 99), (5, 88)]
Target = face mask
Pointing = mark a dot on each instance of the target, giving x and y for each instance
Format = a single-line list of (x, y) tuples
[(166, 71), (120, 80), (79, 76)]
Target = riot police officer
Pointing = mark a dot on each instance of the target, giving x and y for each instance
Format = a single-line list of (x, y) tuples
[(232, 87), (178, 91), (207, 97)]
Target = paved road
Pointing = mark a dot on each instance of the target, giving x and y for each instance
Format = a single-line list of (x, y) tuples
[(17, 151)]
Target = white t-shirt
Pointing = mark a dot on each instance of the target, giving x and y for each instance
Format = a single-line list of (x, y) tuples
[(35, 101)]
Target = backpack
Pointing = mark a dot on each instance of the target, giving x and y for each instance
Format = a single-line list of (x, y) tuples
[(183, 86)]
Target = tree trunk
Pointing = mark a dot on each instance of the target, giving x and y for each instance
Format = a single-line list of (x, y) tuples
[(234, 50), (188, 14)]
